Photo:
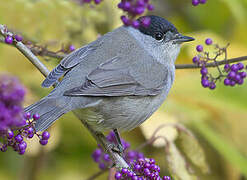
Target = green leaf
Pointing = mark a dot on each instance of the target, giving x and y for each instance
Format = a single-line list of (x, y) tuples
[(177, 164), (189, 145), (229, 152)]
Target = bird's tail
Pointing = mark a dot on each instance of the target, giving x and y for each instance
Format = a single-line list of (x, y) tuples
[(49, 110)]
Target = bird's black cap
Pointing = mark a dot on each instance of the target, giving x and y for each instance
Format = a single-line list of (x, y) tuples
[(157, 24)]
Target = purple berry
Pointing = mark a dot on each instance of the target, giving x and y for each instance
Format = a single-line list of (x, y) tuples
[(199, 48), (135, 24), (45, 135), (208, 41), (125, 20), (97, 153), (146, 171), (166, 178), (232, 83), (240, 66), (139, 10), (231, 75), (102, 166), (126, 6), (120, 5), (106, 157), (10, 134), (227, 82), (30, 130), (30, 136), (97, 1), (204, 71), (140, 3), (118, 175), (243, 74), (124, 171), (22, 152), (22, 145), (18, 38), (9, 39), (147, 165), (130, 174), (196, 59), (71, 48), (227, 67), (212, 85), (151, 161), (205, 83), (36, 116), (237, 77), (234, 67), (203, 1), (18, 138), (240, 81), (134, 178), (27, 115), (150, 7), (43, 142), (137, 167), (195, 2)]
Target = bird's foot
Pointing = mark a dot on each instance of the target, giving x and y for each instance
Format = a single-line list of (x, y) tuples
[(116, 148)]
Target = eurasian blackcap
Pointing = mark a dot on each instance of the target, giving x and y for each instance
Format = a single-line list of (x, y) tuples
[(117, 81)]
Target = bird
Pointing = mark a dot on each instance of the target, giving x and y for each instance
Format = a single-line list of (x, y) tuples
[(115, 82)]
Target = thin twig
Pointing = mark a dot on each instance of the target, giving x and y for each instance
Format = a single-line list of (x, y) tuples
[(99, 137), (213, 64), (94, 176)]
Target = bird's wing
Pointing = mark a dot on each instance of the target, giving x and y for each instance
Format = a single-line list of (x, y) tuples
[(69, 62), (120, 77)]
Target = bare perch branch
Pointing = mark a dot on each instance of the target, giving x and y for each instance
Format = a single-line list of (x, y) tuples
[(99, 137)]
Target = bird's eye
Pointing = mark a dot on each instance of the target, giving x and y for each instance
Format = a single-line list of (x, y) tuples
[(159, 36)]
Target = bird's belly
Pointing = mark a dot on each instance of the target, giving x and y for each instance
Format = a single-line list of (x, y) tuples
[(124, 113)]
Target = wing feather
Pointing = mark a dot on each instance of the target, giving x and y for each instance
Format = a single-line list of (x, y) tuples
[(69, 62), (114, 78)]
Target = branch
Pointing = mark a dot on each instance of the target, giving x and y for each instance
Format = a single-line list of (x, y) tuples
[(96, 175), (213, 64), (29, 55), (47, 53), (41, 51), (99, 137)]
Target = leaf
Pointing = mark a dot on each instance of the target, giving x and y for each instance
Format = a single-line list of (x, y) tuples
[(177, 164), (225, 149), (192, 150)]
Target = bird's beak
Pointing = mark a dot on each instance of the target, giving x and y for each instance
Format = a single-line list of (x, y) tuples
[(181, 38)]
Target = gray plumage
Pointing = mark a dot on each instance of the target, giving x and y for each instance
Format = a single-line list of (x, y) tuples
[(115, 82)]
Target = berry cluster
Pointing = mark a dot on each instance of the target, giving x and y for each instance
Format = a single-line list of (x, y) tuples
[(197, 2), (142, 169), (10, 38), (11, 96), (135, 8), (235, 75), (14, 136), (14, 126), (232, 74)]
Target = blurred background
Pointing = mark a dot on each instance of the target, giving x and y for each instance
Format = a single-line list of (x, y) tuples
[(217, 118)]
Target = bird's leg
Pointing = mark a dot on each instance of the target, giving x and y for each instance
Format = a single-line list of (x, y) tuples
[(118, 139)]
